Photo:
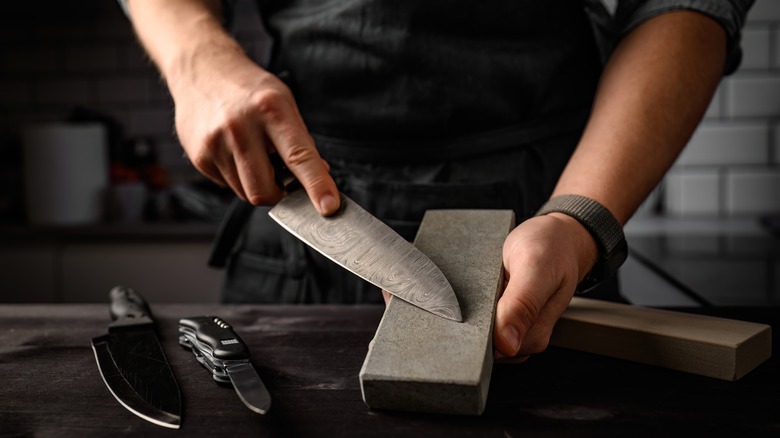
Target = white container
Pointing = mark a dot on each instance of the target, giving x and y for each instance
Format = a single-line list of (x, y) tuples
[(65, 173)]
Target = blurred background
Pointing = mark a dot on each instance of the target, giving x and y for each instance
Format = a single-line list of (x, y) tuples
[(131, 209)]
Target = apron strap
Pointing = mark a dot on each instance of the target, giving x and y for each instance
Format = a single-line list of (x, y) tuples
[(420, 152), (230, 229)]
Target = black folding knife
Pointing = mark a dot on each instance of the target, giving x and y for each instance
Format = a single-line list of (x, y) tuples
[(220, 350)]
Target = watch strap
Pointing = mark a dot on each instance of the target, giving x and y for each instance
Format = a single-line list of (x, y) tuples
[(604, 228), (595, 217)]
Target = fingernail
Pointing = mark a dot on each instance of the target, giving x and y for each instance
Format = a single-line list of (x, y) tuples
[(328, 204), (512, 337)]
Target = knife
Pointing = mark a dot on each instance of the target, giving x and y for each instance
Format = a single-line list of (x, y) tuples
[(220, 350), (133, 364), (365, 246)]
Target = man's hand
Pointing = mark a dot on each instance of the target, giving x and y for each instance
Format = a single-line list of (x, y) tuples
[(230, 113), (544, 259), (653, 92)]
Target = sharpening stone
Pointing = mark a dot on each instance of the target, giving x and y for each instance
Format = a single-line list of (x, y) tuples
[(722, 348), (421, 362)]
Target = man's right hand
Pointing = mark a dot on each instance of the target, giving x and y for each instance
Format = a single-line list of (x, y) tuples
[(230, 113)]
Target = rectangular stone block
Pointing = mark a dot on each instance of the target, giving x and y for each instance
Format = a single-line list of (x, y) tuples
[(421, 362)]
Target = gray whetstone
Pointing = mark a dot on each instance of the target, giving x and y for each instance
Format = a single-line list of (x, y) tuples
[(421, 362)]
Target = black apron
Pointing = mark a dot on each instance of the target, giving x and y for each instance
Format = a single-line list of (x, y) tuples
[(416, 105)]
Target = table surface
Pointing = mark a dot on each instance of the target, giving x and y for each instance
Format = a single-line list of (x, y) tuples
[(310, 356)]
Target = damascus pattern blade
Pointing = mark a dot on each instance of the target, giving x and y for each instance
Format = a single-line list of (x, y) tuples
[(370, 249)]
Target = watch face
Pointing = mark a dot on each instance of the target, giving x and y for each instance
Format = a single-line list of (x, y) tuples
[(586, 285), (604, 269)]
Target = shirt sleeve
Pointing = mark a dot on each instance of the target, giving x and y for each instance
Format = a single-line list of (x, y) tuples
[(729, 13)]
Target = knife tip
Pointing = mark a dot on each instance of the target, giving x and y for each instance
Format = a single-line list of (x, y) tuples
[(452, 315)]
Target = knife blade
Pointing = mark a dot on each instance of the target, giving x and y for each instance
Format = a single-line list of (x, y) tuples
[(367, 247), (132, 363), (220, 350)]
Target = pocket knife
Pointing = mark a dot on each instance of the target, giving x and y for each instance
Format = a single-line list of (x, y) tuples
[(220, 350)]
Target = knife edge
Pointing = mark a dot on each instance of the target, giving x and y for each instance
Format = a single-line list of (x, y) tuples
[(115, 382), (357, 241), (219, 349)]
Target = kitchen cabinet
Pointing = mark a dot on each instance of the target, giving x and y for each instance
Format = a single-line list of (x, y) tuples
[(81, 265)]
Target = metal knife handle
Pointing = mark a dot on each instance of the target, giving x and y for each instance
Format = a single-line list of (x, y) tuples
[(218, 335), (128, 309)]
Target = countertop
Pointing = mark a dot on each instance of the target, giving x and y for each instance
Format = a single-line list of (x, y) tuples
[(310, 357), (720, 262)]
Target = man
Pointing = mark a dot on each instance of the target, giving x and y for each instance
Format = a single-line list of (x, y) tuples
[(417, 105)]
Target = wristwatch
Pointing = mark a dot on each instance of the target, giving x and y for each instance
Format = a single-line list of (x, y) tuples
[(605, 229)]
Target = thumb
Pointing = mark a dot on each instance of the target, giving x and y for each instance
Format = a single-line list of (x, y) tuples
[(313, 174), (292, 141), (302, 159), (516, 313)]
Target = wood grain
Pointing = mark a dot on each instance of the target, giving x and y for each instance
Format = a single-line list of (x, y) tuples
[(722, 348)]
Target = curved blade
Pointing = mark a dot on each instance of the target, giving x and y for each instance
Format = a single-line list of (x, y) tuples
[(249, 387), (135, 370), (369, 248)]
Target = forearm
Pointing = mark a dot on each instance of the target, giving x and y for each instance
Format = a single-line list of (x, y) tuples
[(230, 113), (653, 93), (178, 33)]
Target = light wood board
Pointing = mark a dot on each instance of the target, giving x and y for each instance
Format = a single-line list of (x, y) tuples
[(715, 347)]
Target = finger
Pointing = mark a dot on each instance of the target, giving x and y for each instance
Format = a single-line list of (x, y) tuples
[(296, 147), (537, 338), (504, 360), (253, 167), (203, 160), (210, 171), (516, 312), (226, 166), (525, 308), (386, 295)]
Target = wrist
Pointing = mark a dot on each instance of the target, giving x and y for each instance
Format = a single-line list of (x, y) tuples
[(583, 242), (173, 31), (200, 59), (604, 229)]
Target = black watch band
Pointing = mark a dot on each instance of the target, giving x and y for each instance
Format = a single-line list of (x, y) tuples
[(604, 228)]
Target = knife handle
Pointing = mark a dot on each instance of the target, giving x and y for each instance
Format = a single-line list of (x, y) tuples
[(283, 177), (128, 309), (218, 335)]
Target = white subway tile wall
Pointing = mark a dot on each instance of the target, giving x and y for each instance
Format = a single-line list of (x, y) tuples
[(776, 150), (752, 191), (756, 42), (734, 155), (56, 55), (765, 10), (727, 143), (692, 192)]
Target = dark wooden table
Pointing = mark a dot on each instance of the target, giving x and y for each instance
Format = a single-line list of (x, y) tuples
[(310, 358)]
